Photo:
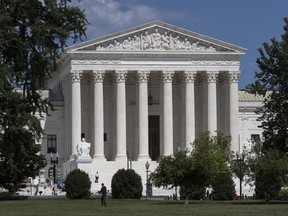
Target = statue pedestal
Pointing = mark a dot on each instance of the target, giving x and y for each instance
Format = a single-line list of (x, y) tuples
[(82, 162)]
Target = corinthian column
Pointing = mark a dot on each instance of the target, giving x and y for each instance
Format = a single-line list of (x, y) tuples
[(142, 78), (189, 78), (98, 121), (120, 78), (234, 125), (167, 77), (212, 102), (75, 76)]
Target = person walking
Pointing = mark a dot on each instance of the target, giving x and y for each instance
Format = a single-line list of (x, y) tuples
[(103, 193)]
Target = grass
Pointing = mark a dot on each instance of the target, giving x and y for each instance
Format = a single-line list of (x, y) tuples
[(137, 208)]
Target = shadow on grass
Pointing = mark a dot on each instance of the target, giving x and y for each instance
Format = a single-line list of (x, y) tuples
[(232, 202)]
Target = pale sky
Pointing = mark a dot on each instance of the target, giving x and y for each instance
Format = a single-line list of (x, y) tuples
[(245, 23)]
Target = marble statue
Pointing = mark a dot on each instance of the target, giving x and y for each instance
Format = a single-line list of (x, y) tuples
[(83, 148)]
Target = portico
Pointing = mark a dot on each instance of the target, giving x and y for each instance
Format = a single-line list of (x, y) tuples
[(191, 81), (207, 87)]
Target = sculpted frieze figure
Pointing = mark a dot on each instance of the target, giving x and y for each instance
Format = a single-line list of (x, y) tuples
[(155, 41)]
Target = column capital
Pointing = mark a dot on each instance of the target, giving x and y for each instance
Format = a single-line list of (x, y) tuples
[(212, 76), (189, 76), (167, 76), (233, 76), (76, 75), (120, 76), (98, 75), (142, 76)]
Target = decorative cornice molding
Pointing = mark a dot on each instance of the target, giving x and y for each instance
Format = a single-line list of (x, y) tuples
[(90, 61), (205, 62), (142, 76), (120, 76), (98, 76), (167, 76), (76, 75)]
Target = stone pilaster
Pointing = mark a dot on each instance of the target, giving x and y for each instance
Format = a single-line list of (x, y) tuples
[(98, 118)]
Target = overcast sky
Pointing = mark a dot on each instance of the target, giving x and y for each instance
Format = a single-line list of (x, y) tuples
[(245, 23)]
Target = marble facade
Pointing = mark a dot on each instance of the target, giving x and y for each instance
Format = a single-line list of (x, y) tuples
[(141, 93)]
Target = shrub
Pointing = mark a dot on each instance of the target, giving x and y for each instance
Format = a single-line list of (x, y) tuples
[(283, 194), (126, 184), (223, 187), (78, 185)]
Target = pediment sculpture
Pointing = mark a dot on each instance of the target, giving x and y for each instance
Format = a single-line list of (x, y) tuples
[(155, 41)]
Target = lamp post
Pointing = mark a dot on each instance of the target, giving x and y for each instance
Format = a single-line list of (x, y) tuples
[(240, 160), (147, 179), (54, 162)]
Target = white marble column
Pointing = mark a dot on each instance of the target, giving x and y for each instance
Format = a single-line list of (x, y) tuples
[(142, 78), (120, 78), (234, 124), (98, 118), (212, 102), (189, 78), (167, 77), (76, 76)]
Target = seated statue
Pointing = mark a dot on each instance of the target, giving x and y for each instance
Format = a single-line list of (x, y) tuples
[(83, 148)]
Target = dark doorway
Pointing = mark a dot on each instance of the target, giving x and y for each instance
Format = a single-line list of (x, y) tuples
[(154, 136)]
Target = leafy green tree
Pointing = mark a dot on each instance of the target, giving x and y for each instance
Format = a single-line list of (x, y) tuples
[(77, 185), (271, 82), (126, 184), (32, 36), (240, 167), (194, 171), (213, 156), (19, 130), (175, 171), (269, 171)]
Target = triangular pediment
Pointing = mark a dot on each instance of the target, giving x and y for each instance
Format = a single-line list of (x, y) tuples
[(156, 36)]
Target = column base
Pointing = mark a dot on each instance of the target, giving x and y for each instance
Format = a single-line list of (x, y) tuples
[(143, 157), (121, 158), (99, 157)]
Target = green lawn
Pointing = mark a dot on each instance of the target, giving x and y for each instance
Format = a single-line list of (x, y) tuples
[(137, 207)]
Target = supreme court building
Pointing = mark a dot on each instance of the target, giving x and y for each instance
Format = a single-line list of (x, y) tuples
[(141, 93)]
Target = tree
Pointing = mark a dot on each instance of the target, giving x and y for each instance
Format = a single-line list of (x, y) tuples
[(194, 171), (240, 167), (32, 36), (19, 130), (126, 184), (271, 82), (268, 171), (78, 185), (212, 153), (175, 171)]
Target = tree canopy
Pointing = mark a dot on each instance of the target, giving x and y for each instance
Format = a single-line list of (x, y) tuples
[(32, 36), (272, 82), (203, 167)]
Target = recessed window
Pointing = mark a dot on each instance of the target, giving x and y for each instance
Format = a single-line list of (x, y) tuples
[(51, 143), (105, 137)]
